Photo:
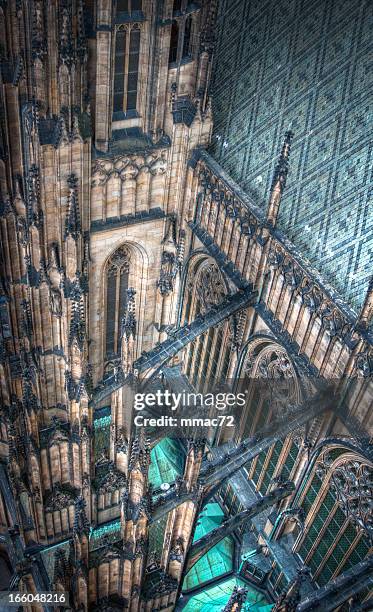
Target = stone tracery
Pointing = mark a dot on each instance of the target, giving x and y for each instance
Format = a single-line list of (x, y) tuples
[(352, 483)]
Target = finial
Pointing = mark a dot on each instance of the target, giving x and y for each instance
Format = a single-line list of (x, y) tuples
[(279, 179), (128, 324), (366, 314), (236, 600), (81, 523)]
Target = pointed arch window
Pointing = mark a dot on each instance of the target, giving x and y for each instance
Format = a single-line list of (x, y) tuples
[(126, 68), (116, 297), (204, 289)]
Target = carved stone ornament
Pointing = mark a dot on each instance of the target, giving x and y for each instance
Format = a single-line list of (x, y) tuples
[(111, 481), (311, 294), (237, 599), (129, 167), (119, 262), (364, 363), (352, 483), (61, 497), (177, 551), (38, 33), (273, 364), (215, 191), (121, 443), (168, 273), (210, 287)]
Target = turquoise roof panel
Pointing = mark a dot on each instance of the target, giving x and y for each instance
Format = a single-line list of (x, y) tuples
[(48, 556), (167, 460), (219, 559), (214, 598), (210, 517), (105, 534)]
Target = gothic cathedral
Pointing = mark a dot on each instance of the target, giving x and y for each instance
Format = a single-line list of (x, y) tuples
[(185, 212)]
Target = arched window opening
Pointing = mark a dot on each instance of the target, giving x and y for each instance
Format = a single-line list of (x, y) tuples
[(205, 289), (174, 42), (267, 361), (116, 296), (336, 510), (127, 53), (187, 37)]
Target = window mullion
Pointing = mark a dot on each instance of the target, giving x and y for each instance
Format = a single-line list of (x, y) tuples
[(117, 313)]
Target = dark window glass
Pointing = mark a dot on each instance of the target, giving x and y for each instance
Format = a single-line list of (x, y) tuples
[(131, 100), (119, 61), (122, 297), (133, 62), (227, 358), (187, 37), (122, 6), (177, 5), (118, 101), (110, 312), (120, 48), (174, 42), (133, 70), (132, 81), (135, 41), (126, 81), (136, 5), (119, 82)]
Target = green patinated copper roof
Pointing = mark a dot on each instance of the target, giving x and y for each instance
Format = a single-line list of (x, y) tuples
[(211, 516), (105, 534), (166, 462), (216, 597), (47, 556), (217, 561)]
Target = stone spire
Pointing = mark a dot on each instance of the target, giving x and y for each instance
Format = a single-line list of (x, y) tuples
[(62, 570), (128, 324), (279, 179), (236, 600), (81, 523), (140, 454), (128, 333), (72, 224), (366, 313)]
